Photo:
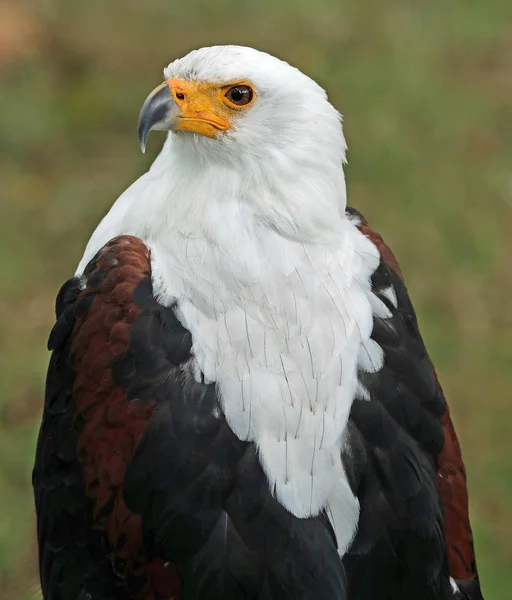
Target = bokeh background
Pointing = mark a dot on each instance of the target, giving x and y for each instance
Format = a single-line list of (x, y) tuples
[(426, 90)]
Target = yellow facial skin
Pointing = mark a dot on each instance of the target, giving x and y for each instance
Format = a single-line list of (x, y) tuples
[(204, 107)]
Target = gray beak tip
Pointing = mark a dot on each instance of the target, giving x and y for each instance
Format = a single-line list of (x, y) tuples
[(156, 113)]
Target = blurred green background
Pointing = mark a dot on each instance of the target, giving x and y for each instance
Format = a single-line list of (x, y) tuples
[(426, 90)]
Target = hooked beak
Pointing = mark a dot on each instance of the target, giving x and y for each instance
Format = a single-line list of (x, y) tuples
[(157, 112), (178, 105)]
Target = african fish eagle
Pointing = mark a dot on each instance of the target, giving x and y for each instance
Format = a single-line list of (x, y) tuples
[(239, 404)]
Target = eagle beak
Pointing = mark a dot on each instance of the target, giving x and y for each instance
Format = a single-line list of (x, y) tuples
[(178, 105), (158, 112)]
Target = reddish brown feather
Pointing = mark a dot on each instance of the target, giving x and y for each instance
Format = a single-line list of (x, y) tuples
[(111, 426), (452, 486), (451, 474), (387, 256)]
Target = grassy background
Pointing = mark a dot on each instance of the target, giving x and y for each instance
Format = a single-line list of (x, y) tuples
[(426, 88)]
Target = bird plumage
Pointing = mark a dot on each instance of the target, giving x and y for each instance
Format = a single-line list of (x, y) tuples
[(239, 403)]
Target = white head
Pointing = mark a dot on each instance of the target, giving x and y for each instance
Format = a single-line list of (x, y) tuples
[(255, 115)]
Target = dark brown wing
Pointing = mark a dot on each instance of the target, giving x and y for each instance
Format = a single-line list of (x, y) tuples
[(409, 405), (90, 544), (142, 490)]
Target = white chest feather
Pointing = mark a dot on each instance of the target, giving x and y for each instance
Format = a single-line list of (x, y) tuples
[(281, 328)]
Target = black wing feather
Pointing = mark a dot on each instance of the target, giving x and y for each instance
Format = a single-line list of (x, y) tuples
[(396, 437)]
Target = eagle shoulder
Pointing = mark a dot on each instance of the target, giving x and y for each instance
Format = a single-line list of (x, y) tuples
[(90, 542)]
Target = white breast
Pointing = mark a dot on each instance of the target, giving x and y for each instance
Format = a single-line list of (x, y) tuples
[(281, 327)]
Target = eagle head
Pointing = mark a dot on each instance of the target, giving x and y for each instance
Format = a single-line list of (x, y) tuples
[(236, 102)]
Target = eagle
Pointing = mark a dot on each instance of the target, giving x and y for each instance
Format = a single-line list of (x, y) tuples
[(239, 404)]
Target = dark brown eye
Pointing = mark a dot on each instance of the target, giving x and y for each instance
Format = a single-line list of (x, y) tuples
[(240, 95)]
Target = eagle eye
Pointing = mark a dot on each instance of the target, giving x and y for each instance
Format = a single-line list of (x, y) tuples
[(240, 95)]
